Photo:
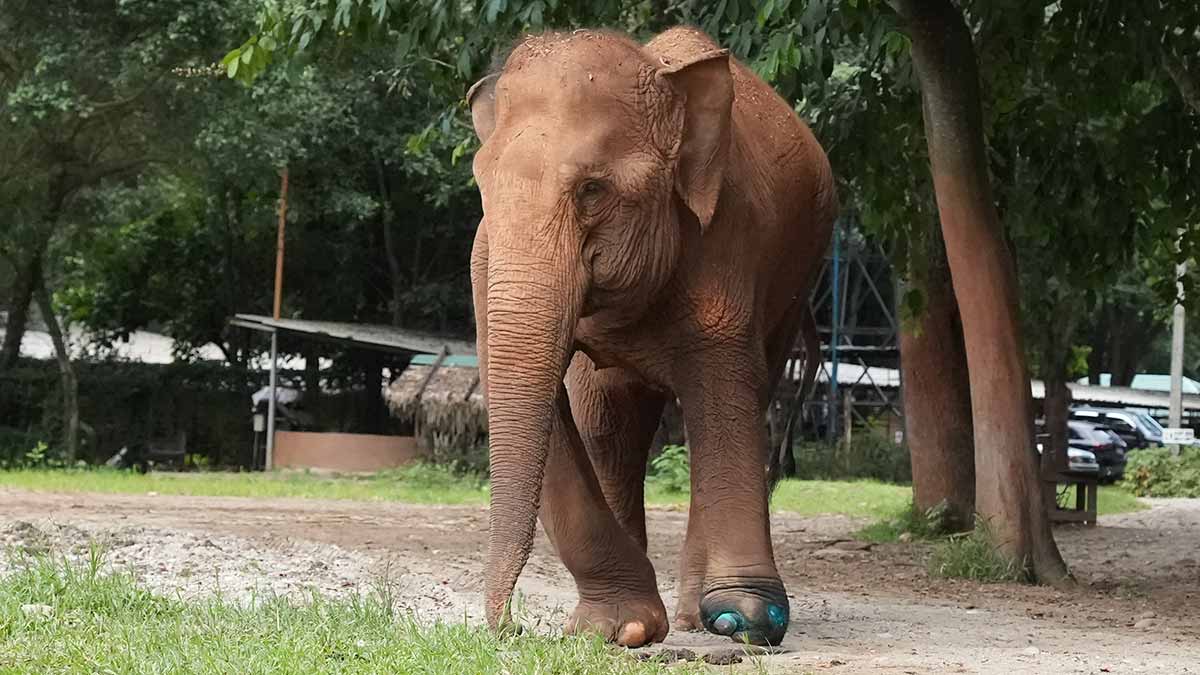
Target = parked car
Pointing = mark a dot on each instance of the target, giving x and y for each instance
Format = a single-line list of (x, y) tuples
[(1137, 429), (1078, 459), (1101, 441)]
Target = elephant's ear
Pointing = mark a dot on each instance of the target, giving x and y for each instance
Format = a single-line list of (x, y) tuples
[(481, 97), (707, 87)]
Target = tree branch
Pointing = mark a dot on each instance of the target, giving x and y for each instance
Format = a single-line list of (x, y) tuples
[(1188, 87)]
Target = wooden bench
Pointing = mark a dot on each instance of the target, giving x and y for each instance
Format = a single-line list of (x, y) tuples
[(1087, 488)]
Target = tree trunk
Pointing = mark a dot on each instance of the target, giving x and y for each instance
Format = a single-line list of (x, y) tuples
[(937, 398), (390, 245), (27, 273), (66, 371), (1007, 492), (375, 410), (1056, 369), (1056, 408), (312, 376), (1098, 357)]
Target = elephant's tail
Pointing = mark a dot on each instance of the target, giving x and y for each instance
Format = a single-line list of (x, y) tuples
[(812, 353), (812, 363)]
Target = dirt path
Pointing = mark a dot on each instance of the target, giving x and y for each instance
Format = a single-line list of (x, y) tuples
[(1137, 608)]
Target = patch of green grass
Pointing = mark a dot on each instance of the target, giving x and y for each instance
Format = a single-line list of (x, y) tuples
[(1111, 500), (428, 484), (860, 498), (813, 497), (1114, 499), (62, 618), (973, 556), (418, 484)]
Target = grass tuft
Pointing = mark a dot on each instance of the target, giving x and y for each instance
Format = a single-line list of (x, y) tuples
[(973, 556), (58, 617)]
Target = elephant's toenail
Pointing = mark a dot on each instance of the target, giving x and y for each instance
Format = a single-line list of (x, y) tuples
[(727, 623), (633, 634), (778, 615)]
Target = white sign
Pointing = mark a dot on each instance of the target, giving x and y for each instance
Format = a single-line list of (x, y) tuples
[(1178, 436)]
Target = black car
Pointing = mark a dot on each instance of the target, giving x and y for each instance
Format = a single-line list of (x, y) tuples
[(1101, 441), (1137, 429)]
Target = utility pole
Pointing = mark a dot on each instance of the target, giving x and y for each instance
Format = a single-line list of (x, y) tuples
[(269, 461), (1177, 335)]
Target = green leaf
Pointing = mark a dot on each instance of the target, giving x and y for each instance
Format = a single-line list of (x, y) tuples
[(493, 10), (764, 12)]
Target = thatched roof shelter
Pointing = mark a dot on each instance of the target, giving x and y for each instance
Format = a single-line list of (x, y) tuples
[(442, 398)]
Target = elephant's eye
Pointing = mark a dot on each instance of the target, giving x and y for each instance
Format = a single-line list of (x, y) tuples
[(589, 191)]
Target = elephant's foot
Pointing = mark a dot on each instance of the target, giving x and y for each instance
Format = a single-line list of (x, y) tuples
[(747, 609), (628, 621)]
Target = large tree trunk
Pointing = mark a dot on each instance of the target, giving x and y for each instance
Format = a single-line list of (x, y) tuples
[(1056, 368), (1007, 493), (70, 384), (937, 398), (391, 247), (27, 273)]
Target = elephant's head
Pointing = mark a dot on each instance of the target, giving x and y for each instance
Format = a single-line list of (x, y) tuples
[(595, 156)]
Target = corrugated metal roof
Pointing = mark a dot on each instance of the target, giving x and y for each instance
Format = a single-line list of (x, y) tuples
[(1122, 396), (460, 361), (368, 336), (1150, 382)]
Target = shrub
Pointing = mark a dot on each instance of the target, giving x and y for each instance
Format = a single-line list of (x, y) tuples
[(671, 470), (872, 454), (1155, 472), (973, 556), (435, 477)]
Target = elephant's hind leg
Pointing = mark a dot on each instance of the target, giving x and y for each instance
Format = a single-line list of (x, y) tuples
[(618, 590)]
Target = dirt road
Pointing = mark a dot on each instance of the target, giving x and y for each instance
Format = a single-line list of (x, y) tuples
[(855, 609)]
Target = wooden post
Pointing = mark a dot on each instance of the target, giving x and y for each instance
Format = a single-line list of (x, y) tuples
[(269, 460), (283, 197)]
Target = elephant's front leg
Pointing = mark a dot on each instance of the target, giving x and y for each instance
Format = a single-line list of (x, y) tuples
[(618, 591), (742, 595)]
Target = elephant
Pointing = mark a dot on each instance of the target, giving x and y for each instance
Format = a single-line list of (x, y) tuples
[(653, 219)]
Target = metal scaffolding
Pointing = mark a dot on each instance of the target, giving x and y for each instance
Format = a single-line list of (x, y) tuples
[(854, 303)]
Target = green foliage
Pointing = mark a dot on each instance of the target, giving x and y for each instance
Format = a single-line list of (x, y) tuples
[(974, 556), (671, 470), (433, 477), (107, 623), (127, 403), (37, 455), (463, 458), (871, 454), (14, 443), (1155, 472)]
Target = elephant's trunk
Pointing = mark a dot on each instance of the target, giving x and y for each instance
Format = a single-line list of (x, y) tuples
[(533, 303)]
